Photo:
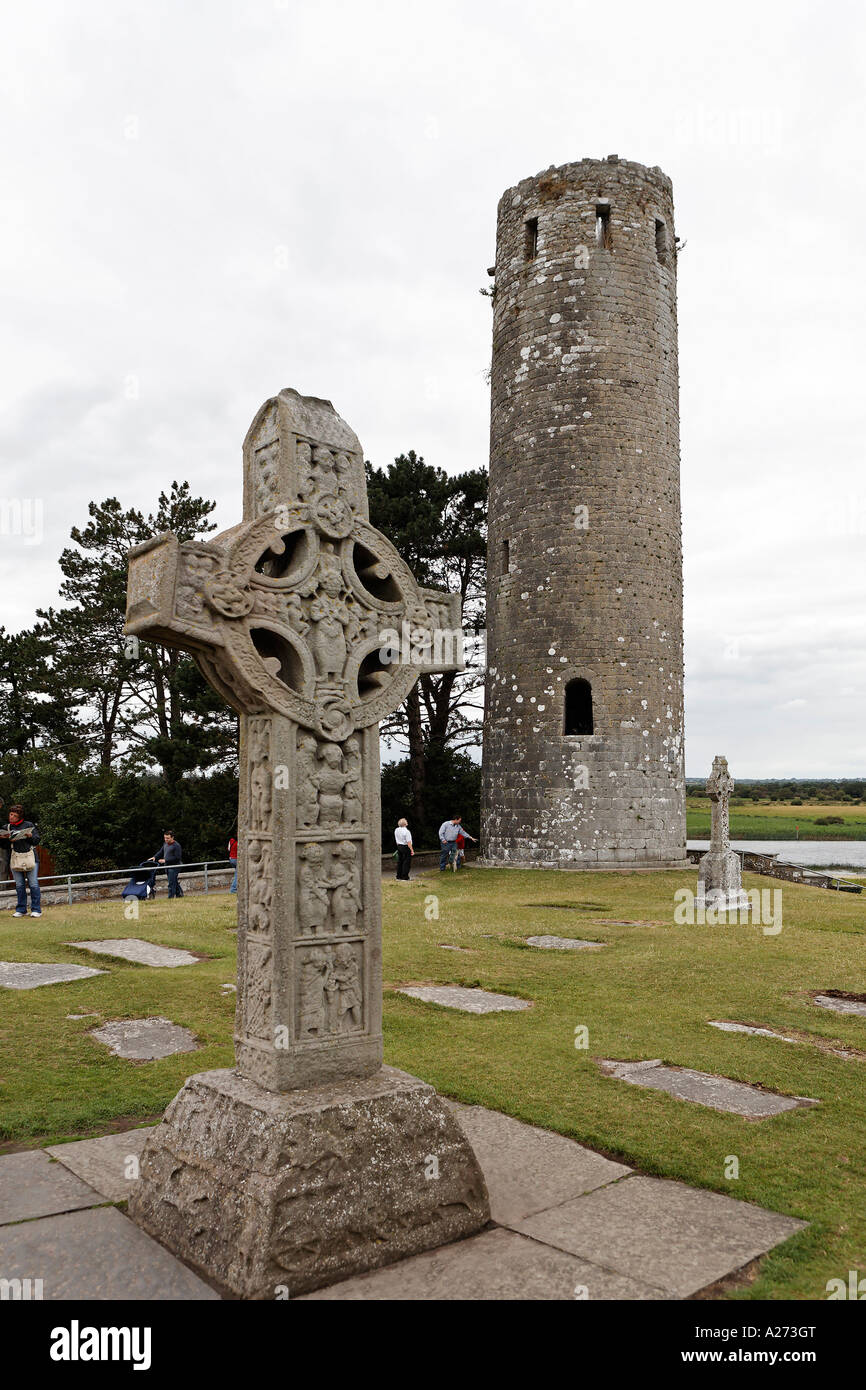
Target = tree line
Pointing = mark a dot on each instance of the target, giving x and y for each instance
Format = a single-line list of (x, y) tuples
[(796, 790), (106, 749)]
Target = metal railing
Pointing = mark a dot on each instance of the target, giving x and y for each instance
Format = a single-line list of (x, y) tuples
[(100, 878)]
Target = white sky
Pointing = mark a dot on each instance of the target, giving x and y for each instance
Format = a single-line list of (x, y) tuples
[(204, 203)]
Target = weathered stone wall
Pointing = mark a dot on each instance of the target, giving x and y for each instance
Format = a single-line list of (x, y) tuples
[(56, 894), (584, 415)]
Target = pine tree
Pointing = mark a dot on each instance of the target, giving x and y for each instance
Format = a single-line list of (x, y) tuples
[(439, 525)]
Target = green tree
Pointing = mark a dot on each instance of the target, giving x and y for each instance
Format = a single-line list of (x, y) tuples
[(439, 525), (132, 711), (33, 713)]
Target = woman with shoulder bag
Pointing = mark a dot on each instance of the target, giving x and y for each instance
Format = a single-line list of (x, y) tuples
[(22, 836)]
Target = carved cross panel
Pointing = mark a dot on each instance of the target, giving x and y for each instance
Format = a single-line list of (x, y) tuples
[(308, 622), (720, 785)]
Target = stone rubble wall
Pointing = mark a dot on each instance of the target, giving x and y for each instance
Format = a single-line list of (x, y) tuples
[(769, 865)]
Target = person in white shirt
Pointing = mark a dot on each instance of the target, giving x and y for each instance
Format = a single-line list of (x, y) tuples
[(404, 850)]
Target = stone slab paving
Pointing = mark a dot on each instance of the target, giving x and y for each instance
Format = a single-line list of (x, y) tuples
[(496, 1265), (661, 1233), (716, 1092), (632, 1237), (528, 1169), (563, 943), (140, 952), (31, 1185), (25, 974), (471, 1001), (841, 1006), (570, 1224), (145, 1039), (753, 1031), (103, 1163), (97, 1254)]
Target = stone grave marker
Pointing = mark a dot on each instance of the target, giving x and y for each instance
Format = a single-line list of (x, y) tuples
[(25, 974), (309, 1161), (563, 943), (145, 1039), (470, 1001), (719, 875), (131, 948)]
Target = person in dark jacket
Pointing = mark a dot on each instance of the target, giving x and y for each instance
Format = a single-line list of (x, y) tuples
[(21, 837), (141, 884), (171, 855)]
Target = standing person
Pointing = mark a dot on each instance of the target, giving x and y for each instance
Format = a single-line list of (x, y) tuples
[(405, 850), (461, 847), (4, 855), (170, 855), (22, 837), (233, 856), (448, 832)]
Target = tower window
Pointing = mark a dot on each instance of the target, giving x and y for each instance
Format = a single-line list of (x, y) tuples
[(578, 707), (661, 241), (530, 239), (506, 558), (602, 225)]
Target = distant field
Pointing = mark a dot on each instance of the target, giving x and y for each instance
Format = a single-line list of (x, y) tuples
[(779, 820)]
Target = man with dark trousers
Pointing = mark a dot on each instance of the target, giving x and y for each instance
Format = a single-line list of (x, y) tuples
[(171, 855)]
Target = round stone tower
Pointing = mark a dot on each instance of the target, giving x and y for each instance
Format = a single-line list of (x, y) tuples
[(583, 729)]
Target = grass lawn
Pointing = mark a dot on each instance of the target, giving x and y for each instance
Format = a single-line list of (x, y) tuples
[(54, 1079), (778, 820), (649, 994)]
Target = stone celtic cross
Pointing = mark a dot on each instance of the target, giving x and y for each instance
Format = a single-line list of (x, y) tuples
[(719, 871), (306, 620), (720, 784)]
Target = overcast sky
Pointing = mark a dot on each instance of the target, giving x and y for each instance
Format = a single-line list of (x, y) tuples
[(204, 203)]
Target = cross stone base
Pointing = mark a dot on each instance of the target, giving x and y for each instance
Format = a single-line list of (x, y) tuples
[(271, 1195), (720, 881)]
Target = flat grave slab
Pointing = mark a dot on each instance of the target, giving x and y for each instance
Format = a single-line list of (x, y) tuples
[(96, 1254), (31, 1185), (563, 943), (145, 1039), (471, 1001), (751, 1029), (103, 1163), (840, 1005), (664, 1234), (25, 974), (140, 952), (527, 1169), (493, 1266), (716, 1092), (626, 922)]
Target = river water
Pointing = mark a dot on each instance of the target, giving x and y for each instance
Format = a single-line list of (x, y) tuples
[(824, 854)]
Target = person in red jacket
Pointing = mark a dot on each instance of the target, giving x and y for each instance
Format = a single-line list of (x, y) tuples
[(233, 856), (460, 852)]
